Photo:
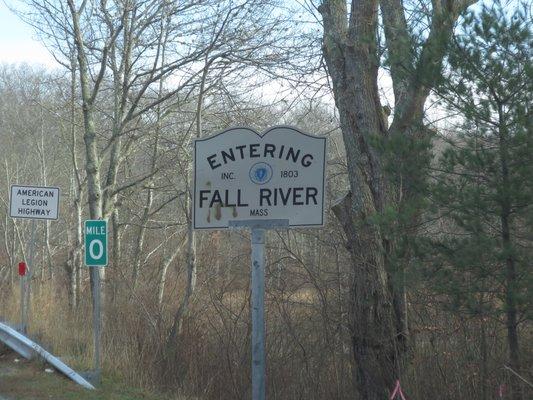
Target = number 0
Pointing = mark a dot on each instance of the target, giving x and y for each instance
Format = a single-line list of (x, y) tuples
[(100, 249)]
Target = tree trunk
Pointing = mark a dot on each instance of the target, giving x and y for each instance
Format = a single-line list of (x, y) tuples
[(484, 361), (44, 179), (163, 276), (511, 278), (378, 316), (146, 211), (92, 158), (378, 338), (72, 290), (75, 254), (139, 243), (377, 343), (190, 286)]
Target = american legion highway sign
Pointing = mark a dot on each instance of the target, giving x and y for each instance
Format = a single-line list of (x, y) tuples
[(243, 175), (34, 202)]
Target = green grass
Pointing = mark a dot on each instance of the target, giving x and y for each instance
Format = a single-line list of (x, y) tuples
[(28, 381)]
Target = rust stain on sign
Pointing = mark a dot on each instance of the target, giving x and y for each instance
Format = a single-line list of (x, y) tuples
[(218, 209), (208, 184), (218, 212)]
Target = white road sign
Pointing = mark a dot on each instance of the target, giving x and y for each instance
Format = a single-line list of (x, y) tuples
[(241, 175), (34, 202)]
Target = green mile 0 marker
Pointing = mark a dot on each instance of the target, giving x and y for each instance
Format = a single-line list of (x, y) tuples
[(95, 243)]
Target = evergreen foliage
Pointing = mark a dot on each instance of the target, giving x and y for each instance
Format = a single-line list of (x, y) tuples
[(487, 166), (482, 188)]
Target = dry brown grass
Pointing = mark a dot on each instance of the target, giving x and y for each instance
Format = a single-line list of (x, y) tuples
[(307, 345)]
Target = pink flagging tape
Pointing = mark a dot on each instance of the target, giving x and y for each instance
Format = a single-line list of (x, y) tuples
[(501, 390), (397, 392)]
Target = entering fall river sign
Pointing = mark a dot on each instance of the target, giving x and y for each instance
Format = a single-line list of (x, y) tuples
[(244, 175)]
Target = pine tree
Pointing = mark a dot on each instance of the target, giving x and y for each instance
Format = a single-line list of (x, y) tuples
[(484, 183)]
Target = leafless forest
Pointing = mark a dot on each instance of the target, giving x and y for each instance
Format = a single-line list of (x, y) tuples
[(379, 294)]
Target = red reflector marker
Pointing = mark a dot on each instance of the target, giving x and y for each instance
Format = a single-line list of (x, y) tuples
[(22, 268)]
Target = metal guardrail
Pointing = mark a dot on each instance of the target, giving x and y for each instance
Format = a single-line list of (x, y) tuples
[(29, 350)]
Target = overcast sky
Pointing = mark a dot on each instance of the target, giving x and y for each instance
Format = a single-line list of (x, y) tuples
[(17, 41)]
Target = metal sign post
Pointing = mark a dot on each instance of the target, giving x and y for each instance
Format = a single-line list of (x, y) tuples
[(95, 257), (22, 274), (258, 230), (25, 282), (27, 279), (258, 314), (97, 328)]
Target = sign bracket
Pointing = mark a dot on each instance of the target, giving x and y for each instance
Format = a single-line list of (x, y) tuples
[(260, 224)]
